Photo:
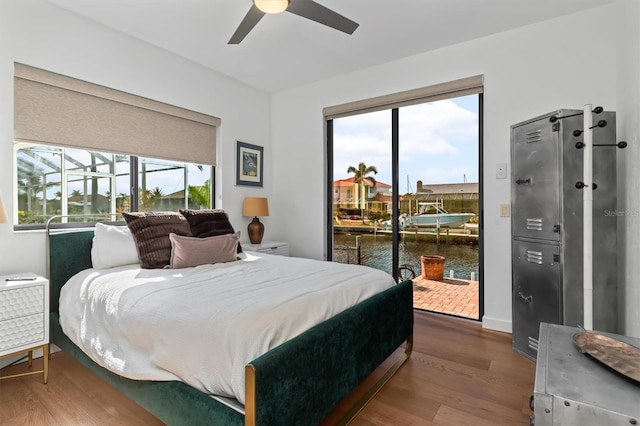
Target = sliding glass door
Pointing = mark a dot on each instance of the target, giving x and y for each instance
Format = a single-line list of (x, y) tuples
[(362, 190), (405, 198)]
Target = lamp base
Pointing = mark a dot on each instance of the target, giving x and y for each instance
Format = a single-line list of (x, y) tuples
[(255, 230)]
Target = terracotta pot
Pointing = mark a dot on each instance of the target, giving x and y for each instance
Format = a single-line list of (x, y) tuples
[(432, 267)]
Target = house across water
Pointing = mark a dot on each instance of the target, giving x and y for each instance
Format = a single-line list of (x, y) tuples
[(348, 203)]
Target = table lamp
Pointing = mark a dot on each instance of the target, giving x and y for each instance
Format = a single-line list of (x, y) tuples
[(255, 206)]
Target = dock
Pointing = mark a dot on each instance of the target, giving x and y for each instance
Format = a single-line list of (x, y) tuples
[(465, 235)]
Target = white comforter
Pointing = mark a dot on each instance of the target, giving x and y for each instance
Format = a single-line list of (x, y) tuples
[(202, 325)]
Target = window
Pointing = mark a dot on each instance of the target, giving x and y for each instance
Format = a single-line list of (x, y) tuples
[(82, 148), (69, 181)]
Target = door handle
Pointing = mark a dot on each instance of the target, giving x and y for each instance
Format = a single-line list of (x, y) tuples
[(522, 181), (525, 299)]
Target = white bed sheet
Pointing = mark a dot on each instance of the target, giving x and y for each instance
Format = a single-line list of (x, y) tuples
[(202, 325)]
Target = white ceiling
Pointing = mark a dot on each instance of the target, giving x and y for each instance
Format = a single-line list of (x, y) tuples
[(285, 50)]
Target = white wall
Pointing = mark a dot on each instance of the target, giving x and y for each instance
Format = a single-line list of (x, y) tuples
[(36, 33), (628, 128), (563, 63)]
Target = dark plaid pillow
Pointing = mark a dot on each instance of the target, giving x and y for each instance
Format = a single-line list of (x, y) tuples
[(209, 223), (151, 231)]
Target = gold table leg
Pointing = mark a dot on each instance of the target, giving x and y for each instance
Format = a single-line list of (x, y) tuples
[(45, 361)]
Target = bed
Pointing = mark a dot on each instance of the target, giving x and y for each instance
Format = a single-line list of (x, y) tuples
[(297, 382)]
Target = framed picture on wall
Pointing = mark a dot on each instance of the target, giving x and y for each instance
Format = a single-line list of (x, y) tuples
[(249, 163)]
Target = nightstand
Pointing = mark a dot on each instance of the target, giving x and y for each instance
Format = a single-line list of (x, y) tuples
[(269, 247), (24, 318)]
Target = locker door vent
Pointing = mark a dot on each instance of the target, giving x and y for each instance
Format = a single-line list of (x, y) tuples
[(534, 257), (533, 343), (534, 224), (534, 136)]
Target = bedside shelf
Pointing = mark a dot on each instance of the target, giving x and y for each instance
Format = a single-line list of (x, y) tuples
[(24, 319), (269, 247)]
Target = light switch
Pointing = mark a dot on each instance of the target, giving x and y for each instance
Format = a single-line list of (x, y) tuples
[(505, 210), (501, 171)]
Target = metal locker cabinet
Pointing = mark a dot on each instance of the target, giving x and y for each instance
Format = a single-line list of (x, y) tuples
[(547, 209), (537, 293), (535, 160)]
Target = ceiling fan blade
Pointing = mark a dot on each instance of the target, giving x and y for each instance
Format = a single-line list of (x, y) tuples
[(316, 12), (250, 20)]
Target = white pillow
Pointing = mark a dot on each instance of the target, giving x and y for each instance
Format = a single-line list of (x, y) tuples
[(113, 246)]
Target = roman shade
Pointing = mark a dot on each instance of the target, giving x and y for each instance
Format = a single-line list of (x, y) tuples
[(54, 109), (450, 89)]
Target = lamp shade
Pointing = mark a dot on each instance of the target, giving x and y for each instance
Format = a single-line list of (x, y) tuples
[(272, 6), (3, 214), (255, 206)]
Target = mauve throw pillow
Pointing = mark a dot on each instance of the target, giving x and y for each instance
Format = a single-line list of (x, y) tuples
[(151, 231), (187, 252), (209, 223)]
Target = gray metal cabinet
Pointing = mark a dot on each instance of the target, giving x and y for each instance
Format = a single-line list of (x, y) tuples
[(536, 289), (547, 226), (573, 389), (536, 170)]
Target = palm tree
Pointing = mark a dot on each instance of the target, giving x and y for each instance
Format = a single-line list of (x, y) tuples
[(30, 183), (201, 195), (149, 198), (360, 175), (122, 202)]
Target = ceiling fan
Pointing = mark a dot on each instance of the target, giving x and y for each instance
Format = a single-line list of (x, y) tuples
[(306, 8)]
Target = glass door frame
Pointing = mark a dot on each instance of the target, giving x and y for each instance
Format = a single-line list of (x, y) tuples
[(395, 234), (395, 182)]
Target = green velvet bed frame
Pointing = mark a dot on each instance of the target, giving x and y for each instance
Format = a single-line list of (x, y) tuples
[(296, 383)]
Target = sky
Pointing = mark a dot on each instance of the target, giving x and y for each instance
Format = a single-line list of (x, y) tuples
[(438, 143)]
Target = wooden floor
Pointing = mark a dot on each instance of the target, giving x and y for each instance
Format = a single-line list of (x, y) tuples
[(458, 374)]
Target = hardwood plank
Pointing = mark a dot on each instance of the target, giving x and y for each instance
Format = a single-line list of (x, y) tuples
[(380, 412), (13, 402), (520, 372), (20, 407), (450, 416), (399, 398), (62, 403), (36, 415), (470, 353), (73, 396), (475, 405), (477, 347), (450, 376), (458, 374), (108, 398)]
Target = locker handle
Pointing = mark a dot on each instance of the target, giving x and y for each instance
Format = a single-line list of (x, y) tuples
[(526, 299), (521, 181)]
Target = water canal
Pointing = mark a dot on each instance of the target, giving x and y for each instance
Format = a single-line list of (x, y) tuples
[(375, 251)]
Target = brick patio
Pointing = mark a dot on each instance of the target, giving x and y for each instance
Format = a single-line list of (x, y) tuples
[(449, 296)]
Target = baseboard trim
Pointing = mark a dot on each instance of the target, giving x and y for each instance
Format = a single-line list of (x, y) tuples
[(496, 324)]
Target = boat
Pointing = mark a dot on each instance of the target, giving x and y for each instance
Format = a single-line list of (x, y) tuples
[(431, 215)]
